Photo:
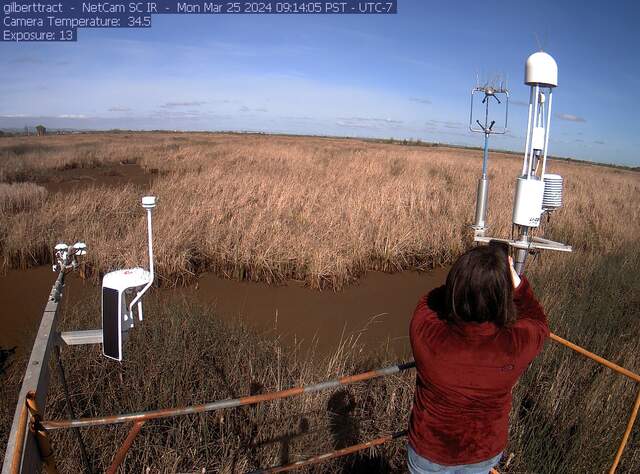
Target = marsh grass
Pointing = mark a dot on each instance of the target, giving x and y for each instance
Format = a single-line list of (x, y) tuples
[(20, 197), (323, 211)]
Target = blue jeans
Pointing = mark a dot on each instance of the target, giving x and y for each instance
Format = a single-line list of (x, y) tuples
[(419, 465)]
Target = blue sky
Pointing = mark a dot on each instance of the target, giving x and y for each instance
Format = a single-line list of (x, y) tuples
[(404, 76)]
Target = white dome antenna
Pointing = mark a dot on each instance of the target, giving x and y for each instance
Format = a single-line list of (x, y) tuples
[(541, 69)]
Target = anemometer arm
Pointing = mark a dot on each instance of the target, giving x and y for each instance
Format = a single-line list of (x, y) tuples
[(486, 129)]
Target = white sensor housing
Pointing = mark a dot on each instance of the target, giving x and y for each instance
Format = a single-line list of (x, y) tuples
[(149, 202), (537, 138), (541, 69), (527, 208)]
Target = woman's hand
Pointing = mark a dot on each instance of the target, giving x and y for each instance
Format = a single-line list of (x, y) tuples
[(515, 279)]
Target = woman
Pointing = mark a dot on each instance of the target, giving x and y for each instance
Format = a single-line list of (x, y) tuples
[(471, 339)]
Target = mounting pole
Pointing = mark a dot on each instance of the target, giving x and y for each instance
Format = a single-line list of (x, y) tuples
[(480, 222)]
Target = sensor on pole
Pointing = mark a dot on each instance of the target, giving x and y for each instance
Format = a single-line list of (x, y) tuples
[(537, 192), (120, 285), (496, 94)]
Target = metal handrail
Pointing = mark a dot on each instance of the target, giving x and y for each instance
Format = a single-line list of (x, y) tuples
[(226, 403), (333, 454), (600, 360)]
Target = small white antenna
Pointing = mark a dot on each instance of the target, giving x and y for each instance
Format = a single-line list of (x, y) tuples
[(535, 34), (148, 202)]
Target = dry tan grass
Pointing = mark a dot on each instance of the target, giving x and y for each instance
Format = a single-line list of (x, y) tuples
[(18, 197), (319, 210), (324, 211)]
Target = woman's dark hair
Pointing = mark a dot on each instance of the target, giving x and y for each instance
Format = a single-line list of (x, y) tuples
[(479, 287)]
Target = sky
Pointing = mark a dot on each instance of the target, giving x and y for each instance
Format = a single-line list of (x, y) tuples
[(386, 76)]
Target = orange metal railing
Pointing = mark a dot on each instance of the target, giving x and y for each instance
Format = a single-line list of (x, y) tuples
[(22, 427), (621, 370)]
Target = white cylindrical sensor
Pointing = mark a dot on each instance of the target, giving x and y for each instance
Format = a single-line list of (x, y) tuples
[(149, 202), (527, 207)]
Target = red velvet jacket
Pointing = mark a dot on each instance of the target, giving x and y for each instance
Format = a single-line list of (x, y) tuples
[(464, 378)]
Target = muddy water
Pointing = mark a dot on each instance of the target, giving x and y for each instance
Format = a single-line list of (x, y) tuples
[(24, 294), (378, 307)]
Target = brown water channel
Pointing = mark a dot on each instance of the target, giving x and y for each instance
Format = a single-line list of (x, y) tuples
[(378, 307)]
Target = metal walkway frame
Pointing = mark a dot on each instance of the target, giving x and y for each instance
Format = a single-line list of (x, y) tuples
[(29, 449)]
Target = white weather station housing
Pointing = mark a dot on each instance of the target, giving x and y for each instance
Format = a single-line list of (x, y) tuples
[(122, 292), (537, 192)]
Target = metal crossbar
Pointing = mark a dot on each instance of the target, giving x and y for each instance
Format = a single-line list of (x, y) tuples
[(227, 403), (332, 455), (29, 447)]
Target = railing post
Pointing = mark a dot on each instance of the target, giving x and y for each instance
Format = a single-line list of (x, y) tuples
[(627, 433), (41, 435), (124, 449), (16, 462)]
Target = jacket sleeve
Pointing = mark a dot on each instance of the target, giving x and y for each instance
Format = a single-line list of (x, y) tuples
[(527, 305), (531, 326)]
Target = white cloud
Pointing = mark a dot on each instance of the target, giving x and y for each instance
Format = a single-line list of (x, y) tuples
[(170, 105), (368, 122), (445, 124), (27, 60), (570, 118)]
